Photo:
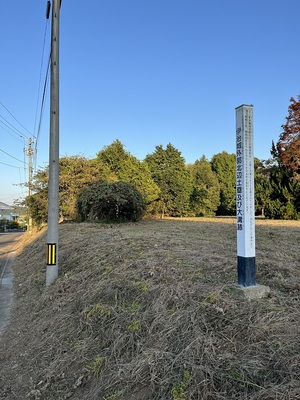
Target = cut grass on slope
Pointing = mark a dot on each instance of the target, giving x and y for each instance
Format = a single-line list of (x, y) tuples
[(148, 311)]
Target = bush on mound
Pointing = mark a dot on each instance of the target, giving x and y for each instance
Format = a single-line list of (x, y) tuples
[(118, 201)]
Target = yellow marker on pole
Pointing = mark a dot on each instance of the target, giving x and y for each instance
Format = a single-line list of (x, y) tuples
[(51, 253)]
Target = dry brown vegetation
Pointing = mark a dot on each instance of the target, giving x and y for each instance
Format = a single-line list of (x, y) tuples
[(149, 310)]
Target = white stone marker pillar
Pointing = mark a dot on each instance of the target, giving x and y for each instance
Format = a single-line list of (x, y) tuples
[(245, 210)]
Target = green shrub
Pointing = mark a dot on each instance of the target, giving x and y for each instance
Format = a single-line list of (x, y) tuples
[(4, 223), (118, 201), (276, 209)]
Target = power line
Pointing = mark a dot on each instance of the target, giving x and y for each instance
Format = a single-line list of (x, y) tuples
[(12, 156), (12, 128), (4, 129), (38, 120), (15, 118), (8, 165), (41, 68), (42, 108)]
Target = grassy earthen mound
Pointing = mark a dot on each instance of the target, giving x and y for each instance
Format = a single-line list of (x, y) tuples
[(149, 311)]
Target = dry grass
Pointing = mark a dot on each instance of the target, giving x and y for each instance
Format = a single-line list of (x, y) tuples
[(148, 311)]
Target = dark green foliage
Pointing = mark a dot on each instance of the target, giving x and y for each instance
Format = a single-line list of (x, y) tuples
[(284, 195), (205, 197), (169, 172), (38, 206), (223, 164), (118, 201), (278, 210), (114, 156), (37, 203), (262, 185), (75, 174), (5, 224), (129, 169), (285, 172), (169, 187)]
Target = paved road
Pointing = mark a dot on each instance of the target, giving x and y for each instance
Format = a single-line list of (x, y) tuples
[(8, 244)]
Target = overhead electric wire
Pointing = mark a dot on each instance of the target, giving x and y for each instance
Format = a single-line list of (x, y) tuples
[(37, 125), (15, 132), (42, 108), (40, 78), (15, 118), (8, 165), (12, 128), (15, 158)]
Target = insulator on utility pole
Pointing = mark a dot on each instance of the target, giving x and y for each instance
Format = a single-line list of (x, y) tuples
[(53, 187)]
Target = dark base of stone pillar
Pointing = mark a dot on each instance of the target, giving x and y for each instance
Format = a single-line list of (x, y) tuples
[(246, 271)]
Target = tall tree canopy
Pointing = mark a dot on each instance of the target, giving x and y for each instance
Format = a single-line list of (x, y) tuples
[(205, 196), (262, 185), (223, 164), (129, 169), (114, 156), (289, 141), (284, 194), (169, 172)]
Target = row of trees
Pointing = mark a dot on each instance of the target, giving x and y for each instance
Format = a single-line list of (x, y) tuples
[(170, 187)]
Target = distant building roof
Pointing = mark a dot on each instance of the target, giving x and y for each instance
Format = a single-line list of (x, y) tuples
[(4, 206)]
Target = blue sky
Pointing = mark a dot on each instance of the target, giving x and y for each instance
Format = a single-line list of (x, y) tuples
[(146, 72)]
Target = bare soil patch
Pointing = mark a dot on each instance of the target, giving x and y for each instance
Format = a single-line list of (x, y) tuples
[(147, 311)]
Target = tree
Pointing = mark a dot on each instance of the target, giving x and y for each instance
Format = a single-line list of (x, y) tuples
[(169, 172), (75, 174), (205, 196), (37, 203), (285, 177), (284, 197), (262, 185), (224, 165), (114, 156), (288, 144), (129, 169), (285, 191)]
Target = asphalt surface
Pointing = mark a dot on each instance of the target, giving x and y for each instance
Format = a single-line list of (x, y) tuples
[(9, 242)]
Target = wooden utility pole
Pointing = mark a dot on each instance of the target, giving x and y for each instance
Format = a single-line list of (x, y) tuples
[(53, 187)]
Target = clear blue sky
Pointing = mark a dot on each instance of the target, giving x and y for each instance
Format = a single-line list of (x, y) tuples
[(147, 72)]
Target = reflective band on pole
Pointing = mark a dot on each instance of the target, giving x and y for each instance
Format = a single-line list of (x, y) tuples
[(51, 253)]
